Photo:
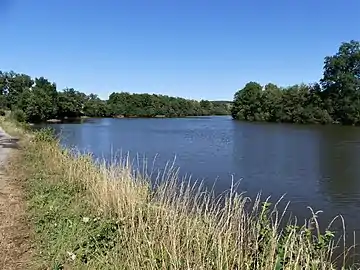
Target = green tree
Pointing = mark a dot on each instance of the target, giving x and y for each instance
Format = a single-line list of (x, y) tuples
[(220, 108), (37, 105), (146, 105), (341, 83), (119, 103), (295, 104), (293, 101), (71, 103), (335, 99), (314, 108), (206, 106), (12, 85), (40, 102), (247, 103), (95, 107), (272, 102)]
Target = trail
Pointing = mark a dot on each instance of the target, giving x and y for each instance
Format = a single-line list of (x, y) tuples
[(15, 246)]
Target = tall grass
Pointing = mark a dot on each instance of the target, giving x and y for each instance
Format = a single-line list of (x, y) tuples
[(108, 217), (13, 128)]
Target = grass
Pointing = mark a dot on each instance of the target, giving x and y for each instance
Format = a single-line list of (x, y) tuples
[(91, 216), (14, 128)]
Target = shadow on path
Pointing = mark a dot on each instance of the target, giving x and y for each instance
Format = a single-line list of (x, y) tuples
[(8, 142)]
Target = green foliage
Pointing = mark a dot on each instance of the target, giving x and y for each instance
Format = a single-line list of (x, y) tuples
[(295, 104), (95, 107), (40, 101), (12, 85), (247, 103), (62, 221), (341, 83), (312, 236), (71, 103), (45, 135), (101, 239), (221, 107), (18, 115), (335, 99), (146, 105), (2, 112), (38, 105)]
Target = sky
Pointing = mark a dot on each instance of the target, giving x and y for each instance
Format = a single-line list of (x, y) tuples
[(189, 48)]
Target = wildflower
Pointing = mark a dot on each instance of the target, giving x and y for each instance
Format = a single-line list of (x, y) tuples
[(85, 219), (71, 255)]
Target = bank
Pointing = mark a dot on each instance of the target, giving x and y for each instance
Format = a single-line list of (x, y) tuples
[(86, 215)]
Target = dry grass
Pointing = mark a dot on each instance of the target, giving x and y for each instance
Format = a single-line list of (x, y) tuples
[(14, 128), (99, 217)]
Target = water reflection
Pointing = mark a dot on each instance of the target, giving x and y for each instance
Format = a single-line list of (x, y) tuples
[(276, 159), (339, 162)]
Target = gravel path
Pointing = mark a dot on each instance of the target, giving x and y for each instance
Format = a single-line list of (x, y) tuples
[(14, 231)]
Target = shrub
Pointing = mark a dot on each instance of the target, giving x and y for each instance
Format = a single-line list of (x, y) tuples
[(45, 135), (18, 115), (2, 112)]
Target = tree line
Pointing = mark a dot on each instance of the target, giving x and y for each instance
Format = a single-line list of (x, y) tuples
[(38, 100), (334, 99)]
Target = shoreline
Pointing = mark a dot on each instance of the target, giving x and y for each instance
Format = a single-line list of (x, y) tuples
[(78, 119)]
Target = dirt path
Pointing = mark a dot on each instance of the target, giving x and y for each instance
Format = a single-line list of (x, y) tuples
[(14, 232)]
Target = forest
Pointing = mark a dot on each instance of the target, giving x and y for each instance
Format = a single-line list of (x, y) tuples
[(334, 99), (38, 100)]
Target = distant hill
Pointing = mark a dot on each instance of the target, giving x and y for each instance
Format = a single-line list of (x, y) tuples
[(221, 107), (221, 101)]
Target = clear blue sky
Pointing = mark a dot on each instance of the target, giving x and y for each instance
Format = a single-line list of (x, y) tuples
[(195, 49)]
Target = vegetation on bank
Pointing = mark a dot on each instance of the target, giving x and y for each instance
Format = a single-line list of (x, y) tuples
[(88, 216), (37, 100), (335, 99)]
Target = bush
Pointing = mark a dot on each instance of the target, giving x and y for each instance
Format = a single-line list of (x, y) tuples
[(18, 115), (45, 135), (2, 112)]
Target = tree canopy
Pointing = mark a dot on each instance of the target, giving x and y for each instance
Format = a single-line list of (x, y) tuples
[(335, 99), (38, 100)]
